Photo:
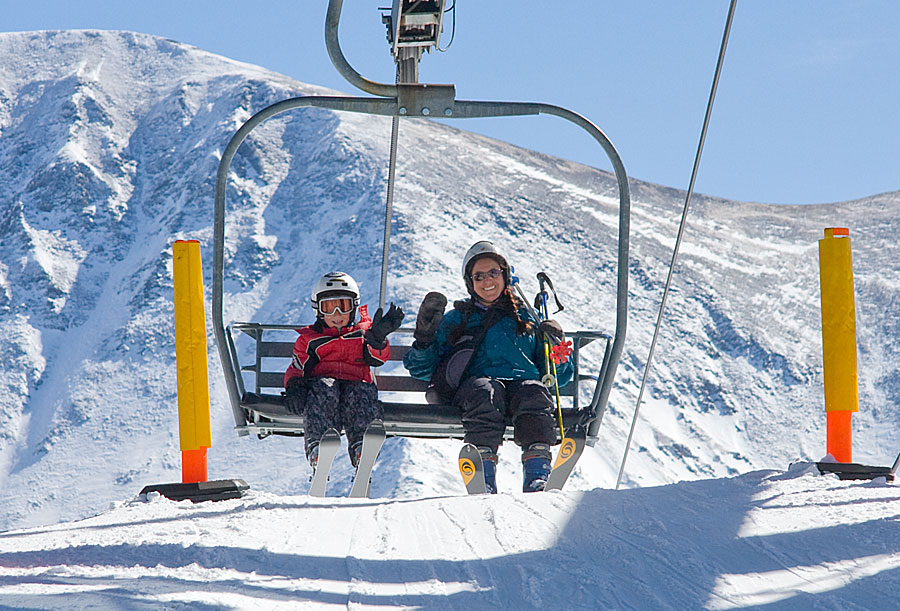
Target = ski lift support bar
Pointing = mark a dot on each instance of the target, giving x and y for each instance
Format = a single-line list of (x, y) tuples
[(418, 100)]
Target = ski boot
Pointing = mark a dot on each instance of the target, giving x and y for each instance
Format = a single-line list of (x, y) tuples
[(312, 455), (489, 463), (535, 467), (355, 452)]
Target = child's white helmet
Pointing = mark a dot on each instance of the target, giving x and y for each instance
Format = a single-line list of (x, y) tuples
[(334, 284)]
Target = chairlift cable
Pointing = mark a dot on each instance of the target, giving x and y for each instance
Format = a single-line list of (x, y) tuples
[(687, 201)]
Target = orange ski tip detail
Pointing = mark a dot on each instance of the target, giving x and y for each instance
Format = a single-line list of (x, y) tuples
[(467, 469), (566, 451)]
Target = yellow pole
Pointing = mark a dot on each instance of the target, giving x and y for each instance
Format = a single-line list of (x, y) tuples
[(191, 360), (838, 341)]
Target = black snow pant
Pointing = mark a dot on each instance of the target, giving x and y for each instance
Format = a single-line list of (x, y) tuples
[(347, 405), (485, 404)]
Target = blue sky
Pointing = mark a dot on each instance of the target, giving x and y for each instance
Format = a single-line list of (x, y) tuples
[(807, 107)]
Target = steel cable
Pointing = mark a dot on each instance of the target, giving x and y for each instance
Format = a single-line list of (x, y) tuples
[(684, 213)]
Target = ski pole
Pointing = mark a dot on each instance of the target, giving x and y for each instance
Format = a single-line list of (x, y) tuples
[(548, 363), (551, 363), (540, 301), (514, 282), (543, 278)]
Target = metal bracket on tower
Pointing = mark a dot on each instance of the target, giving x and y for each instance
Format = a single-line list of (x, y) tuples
[(423, 100)]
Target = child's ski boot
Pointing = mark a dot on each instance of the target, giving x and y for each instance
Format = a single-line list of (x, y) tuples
[(355, 453), (313, 456)]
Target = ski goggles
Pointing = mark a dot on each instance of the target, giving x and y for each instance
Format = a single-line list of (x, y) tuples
[(491, 273), (336, 305)]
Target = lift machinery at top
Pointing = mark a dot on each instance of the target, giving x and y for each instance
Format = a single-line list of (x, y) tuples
[(414, 26)]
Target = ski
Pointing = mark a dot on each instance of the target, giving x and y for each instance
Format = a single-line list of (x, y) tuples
[(472, 469), (569, 452), (328, 449), (373, 438)]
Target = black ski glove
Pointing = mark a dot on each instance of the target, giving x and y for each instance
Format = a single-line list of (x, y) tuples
[(553, 331), (383, 324), (295, 396), (431, 313)]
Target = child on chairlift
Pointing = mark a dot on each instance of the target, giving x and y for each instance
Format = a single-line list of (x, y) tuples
[(329, 381)]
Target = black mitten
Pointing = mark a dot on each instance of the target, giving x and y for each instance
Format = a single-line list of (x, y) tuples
[(295, 396), (383, 325), (553, 331), (431, 313)]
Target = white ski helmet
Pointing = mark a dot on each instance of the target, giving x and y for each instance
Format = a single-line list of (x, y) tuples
[(478, 250), (335, 284)]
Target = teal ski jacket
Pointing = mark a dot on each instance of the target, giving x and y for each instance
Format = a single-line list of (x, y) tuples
[(502, 354)]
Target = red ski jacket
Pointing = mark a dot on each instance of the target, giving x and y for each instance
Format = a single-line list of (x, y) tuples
[(325, 352)]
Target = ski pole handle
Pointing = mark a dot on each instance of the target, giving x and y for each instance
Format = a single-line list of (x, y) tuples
[(514, 282), (543, 279)]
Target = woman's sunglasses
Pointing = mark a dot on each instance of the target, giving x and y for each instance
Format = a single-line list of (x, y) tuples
[(491, 273)]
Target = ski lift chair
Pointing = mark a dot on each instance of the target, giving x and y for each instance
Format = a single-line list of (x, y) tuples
[(263, 413), (259, 408)]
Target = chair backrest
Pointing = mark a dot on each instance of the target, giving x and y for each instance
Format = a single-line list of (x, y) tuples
[(274, 348)]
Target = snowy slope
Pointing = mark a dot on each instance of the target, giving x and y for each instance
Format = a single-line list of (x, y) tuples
[(109, 143), (765, 539)]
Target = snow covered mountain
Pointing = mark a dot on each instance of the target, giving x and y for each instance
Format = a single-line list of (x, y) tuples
[(109, 143)]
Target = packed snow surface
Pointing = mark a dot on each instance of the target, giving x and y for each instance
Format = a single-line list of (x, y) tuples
[(765, 539)]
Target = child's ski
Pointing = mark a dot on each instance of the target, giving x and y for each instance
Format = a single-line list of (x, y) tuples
[(472, 469), (372, 441), (569, 452), (328, 449)]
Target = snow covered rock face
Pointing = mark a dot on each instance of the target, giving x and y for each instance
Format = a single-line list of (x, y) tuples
[(109, 144), (108, 153)]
